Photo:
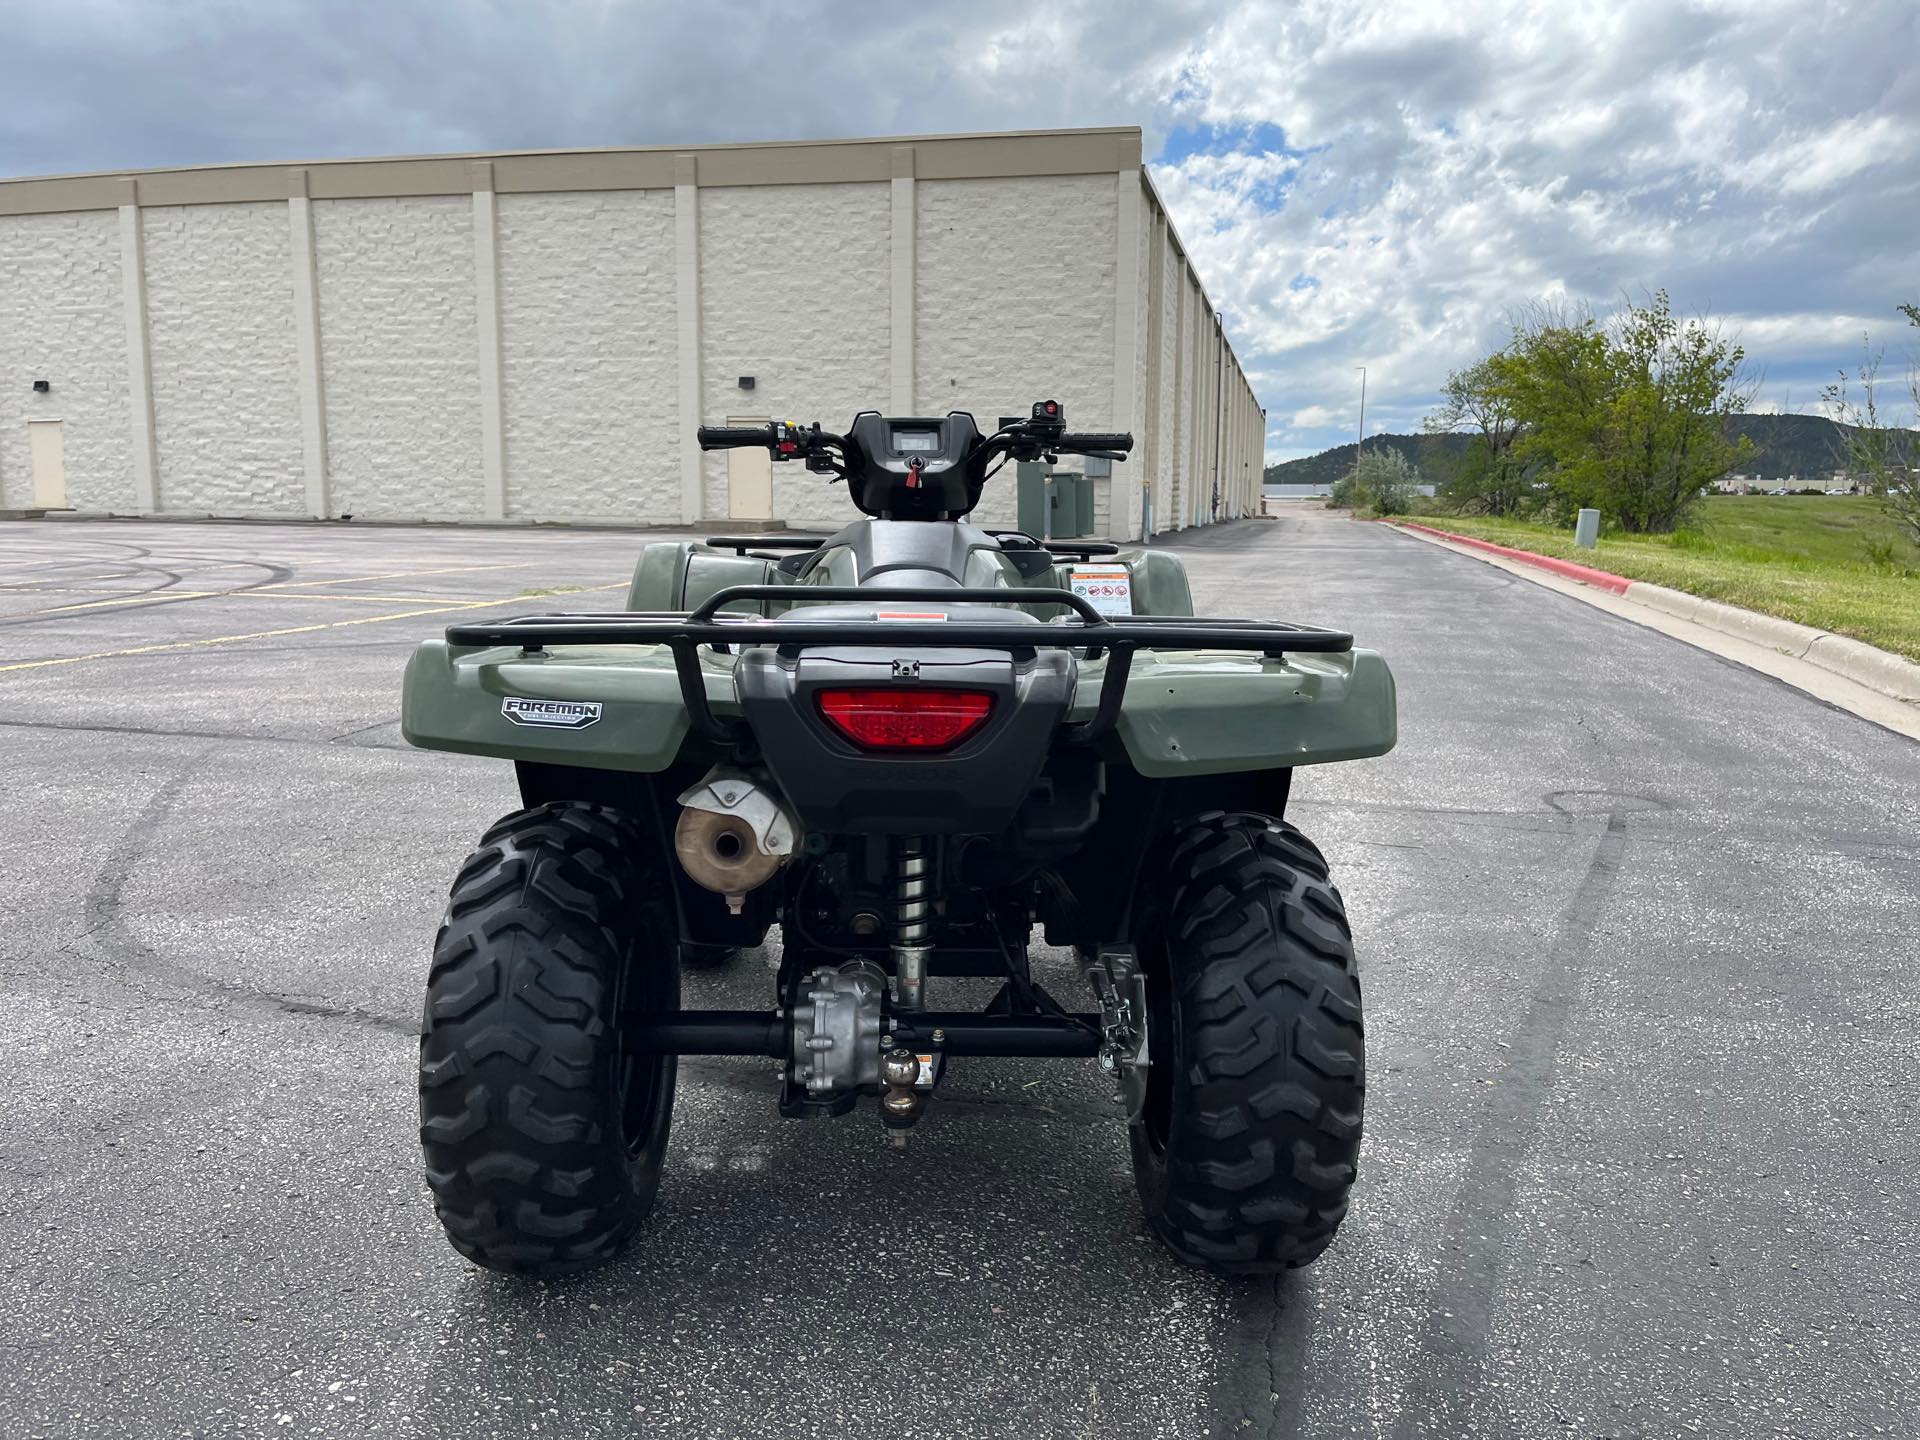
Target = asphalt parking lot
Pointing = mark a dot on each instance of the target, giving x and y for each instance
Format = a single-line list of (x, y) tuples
[(1639, 931)]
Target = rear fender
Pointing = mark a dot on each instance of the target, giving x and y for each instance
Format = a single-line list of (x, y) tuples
[(630, 714), (1190, 713)]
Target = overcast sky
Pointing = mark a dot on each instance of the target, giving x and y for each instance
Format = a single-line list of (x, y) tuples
[(1361, 182)]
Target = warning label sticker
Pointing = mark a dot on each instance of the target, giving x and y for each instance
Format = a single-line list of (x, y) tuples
[(1108, 588)]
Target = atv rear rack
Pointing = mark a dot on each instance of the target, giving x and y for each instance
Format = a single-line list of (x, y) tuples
[(685, 633)]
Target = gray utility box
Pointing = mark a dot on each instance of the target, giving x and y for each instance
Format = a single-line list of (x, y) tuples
[(1072, 505), (1056, 505), (1031, 494)]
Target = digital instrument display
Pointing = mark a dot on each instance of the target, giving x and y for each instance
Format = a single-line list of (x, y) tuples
[(916, 441)]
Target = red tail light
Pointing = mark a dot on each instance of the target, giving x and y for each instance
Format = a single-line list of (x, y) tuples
[(905, 717)]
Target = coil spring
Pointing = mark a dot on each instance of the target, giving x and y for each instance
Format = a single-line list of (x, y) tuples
[(913, 888)]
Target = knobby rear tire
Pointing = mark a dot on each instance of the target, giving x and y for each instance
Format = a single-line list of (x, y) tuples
[(1250, 1137), (543, 1133)]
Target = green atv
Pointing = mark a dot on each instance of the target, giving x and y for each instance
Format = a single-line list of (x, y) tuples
[(905, 744)]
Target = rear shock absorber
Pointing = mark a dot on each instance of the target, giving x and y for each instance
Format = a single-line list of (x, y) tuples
[(913, 903)]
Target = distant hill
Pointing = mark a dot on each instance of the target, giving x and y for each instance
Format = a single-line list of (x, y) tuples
[(1791, 445), (1433, 453), (1783, 445)]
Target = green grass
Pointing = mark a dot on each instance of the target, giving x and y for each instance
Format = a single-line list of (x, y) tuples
[(1832, 561)]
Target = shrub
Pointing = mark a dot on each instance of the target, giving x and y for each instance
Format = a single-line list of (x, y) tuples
[(1349, 494), (1388, 478)]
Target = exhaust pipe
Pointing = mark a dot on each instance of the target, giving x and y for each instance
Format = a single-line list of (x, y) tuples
[(733, 833)]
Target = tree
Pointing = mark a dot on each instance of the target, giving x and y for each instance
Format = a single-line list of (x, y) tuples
[(1556, 377), (1387, 479), (1680, 381), (1628, 416), (1491, 475), (1886, 455)]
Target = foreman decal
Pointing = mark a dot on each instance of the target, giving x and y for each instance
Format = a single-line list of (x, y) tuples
[(551, 714)]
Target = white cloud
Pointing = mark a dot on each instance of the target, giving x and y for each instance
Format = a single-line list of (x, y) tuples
[(1760, 161), (1443, 161), (1824, 159)]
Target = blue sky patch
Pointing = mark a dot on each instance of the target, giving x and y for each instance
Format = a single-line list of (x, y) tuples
[(1184, 141)]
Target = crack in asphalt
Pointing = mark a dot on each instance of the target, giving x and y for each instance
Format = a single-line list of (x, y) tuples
[(1453, 1348), (1265, 1383)]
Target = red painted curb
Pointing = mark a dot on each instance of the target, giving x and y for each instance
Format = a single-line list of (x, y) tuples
[(1586, 574)]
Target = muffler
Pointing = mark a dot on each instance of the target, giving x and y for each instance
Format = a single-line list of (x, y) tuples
[(733, 833)]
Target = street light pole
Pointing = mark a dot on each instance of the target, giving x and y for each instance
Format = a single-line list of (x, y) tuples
[(1361, 442)]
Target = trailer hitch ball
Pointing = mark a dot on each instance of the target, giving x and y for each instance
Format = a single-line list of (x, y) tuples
[(733, 833), (902, 1103)]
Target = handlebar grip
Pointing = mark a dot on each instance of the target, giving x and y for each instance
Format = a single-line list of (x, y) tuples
[(1093, 440), (732, 437)]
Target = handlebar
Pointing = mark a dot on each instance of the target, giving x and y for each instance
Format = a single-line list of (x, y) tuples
[(732, 437), (1095, 440), (959, 477)]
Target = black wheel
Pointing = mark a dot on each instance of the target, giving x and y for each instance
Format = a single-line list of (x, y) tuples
[(543, 1129), (1249, 1137)]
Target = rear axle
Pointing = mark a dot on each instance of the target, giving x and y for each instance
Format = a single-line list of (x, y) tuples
[(764, 1032)]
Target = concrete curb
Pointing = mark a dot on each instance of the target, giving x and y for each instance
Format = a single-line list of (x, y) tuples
[(1878, 670), (1867, 665), (1585, 574)]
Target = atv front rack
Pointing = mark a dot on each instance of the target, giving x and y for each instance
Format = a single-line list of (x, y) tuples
[(1087, 628)]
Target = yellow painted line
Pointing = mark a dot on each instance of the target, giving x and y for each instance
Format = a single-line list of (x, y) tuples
[(65, 589), (232, 639), (126, 569), (268, 592), (62, 583), (119, 600), (157, 596), (400, 599), (248, 595), (395, 575), (272, 634), (339, 599)]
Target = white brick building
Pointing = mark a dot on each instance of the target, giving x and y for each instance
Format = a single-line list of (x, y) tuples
[(533, 337)]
